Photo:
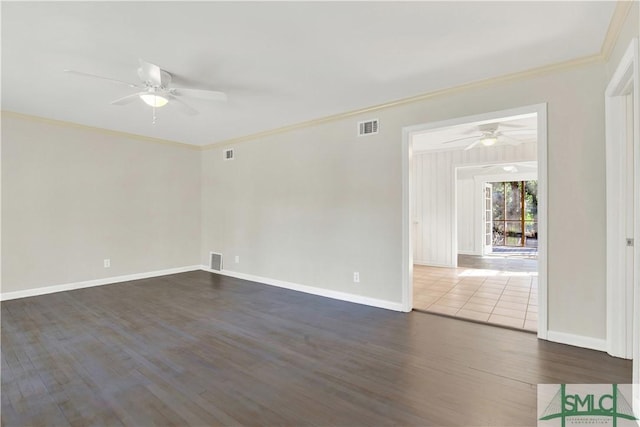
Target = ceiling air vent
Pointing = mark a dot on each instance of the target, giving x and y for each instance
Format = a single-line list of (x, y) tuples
[(228, 154), (368, 127)]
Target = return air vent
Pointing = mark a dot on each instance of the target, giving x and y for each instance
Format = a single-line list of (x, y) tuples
[(216, 261), (228, 154), (368, 127)]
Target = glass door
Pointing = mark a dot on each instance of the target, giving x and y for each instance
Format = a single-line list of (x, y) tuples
[(488, 217)]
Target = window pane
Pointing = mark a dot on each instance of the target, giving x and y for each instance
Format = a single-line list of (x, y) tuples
[(514, 202), (514, 233), (498, 233), (531, 201), (531, 232), (498, 200)]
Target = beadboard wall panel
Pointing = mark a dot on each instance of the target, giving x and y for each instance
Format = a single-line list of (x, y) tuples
[(434, 197)]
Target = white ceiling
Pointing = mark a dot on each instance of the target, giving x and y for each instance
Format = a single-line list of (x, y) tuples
[(280, 63)]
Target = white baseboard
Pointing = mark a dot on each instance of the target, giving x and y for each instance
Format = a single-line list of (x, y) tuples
[(577, 340), (468, 253), (342, 296), (431, 264), (4, 296)]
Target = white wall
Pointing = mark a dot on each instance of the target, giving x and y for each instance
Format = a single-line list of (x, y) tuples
[(467, 217), (434, 196), (313, 205), (309, 207), (73, 196)]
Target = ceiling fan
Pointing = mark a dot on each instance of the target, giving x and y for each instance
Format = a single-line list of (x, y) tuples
[(155, 89), (489, 134)]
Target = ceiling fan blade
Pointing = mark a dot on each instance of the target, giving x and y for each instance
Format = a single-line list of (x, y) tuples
[(512, 141), (80, 73), (473, 144), (461, 139), (126, 99), (210, 95), (150, 73), (184, 107)]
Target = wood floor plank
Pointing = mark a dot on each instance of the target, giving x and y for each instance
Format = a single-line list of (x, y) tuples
[(205, 350)]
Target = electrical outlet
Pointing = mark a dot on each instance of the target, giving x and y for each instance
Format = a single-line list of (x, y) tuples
[(107, 263), (237, 259), (356, 277)]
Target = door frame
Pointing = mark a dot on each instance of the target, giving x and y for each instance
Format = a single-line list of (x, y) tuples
[(478, 183), (486, 185), (621, 303), (481, 180), (407, 200)]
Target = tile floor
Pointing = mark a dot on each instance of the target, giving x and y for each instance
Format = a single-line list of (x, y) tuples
[(507, 298)]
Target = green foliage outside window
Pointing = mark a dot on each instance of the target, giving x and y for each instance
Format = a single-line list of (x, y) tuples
[(508, 208)]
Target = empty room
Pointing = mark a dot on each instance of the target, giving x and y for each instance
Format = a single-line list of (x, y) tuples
[(320, 213)]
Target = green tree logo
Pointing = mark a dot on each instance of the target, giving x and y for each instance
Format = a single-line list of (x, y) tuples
[(565, 405)]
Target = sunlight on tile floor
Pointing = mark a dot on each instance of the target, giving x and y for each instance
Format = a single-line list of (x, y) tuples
[(498, 297)]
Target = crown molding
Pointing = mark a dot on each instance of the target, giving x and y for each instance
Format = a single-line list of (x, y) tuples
[(618, 19), (72, 125), (620, 15), (591, 59), (613, 32)]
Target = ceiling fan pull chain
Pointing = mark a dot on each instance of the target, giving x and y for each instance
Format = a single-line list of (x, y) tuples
[(154, 115)]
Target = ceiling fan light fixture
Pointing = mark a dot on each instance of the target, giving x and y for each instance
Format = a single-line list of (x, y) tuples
[(489, 140), (154, 100)]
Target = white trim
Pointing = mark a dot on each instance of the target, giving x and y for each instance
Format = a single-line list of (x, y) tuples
[(91, 283), (620, 308), (407, 221), (342, 296), (469, 253), (577, 340), (432, 264), (407, 192), (543, 213), (453, 177)]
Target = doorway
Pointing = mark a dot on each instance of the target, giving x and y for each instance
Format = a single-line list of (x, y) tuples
[(502, 132), (496, 218), (622, 106)]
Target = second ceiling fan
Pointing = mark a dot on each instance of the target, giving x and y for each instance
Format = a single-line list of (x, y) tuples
[(490, 134)]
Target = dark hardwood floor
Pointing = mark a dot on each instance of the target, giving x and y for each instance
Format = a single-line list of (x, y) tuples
[(201, 349)]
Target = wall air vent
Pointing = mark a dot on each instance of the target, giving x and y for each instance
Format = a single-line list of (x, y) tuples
[(228, 154), (368, 127), (216, 261)]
